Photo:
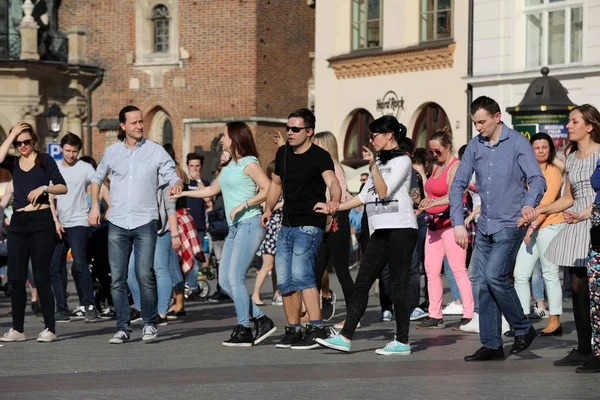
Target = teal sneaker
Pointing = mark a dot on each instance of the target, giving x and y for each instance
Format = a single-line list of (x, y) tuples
[(394, 347), (336, 343)]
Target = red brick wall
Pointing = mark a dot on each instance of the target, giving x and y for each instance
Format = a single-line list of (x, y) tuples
[(247, 58)]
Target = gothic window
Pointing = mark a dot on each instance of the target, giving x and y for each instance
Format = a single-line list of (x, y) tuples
[(160, 18)]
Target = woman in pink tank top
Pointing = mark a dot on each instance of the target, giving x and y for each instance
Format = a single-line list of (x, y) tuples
[(440, 241)]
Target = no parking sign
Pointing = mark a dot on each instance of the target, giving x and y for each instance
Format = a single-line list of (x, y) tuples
[(55, 151)]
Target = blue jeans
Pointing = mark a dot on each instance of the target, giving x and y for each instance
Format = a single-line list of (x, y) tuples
[(451, 281), (537, 284), (164, 287), (121, 242), (192, 276), (175, 271), (240, 246), (295, 257), (473, 273), (495, 255), (75, 238)]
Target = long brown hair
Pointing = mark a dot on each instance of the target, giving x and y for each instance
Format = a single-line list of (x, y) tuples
[(590, 116), (39, 160), (242, 141)]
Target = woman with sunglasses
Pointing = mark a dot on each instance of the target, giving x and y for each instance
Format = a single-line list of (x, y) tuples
[(244, 186), (440, 240), (31, 233), (393, 228)]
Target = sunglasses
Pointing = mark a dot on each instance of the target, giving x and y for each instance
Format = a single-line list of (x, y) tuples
[(373, 135), (27, 142), (295, 129), (436, 153)]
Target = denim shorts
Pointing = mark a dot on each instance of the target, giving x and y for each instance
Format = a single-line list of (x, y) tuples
[(295, 257)]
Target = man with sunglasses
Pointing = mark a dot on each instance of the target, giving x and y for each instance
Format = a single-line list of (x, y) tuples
[(511, 184), (73, 229), (303, 172)]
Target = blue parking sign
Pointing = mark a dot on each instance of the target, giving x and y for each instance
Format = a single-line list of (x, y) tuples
[(55, 151)]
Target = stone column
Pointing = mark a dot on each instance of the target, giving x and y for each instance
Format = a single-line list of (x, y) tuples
[(76, 37), (29, 33)]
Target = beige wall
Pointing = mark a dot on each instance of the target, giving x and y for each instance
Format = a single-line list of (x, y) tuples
[(337, 98)]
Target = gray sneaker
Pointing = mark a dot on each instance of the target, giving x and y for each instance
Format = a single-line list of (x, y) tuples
[(62, 316), (149, 333), (91, 315), (120, 338)]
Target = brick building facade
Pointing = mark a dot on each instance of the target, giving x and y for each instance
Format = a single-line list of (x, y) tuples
[(193, 65)]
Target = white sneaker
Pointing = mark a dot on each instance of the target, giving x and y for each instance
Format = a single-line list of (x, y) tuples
[(13, 336), (149, 333), (120, 338), (505, 325), (472, 326), (277, 300), (386, 316), (46, 336), (453, 309)]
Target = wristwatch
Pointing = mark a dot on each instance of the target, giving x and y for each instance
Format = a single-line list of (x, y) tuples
[(45, 188)]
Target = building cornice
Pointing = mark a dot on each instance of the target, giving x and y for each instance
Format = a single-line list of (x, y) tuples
[(575, 72), (424, 57), (221, 121)]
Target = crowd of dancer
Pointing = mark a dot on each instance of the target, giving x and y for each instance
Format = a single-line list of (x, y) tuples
[(497, 209)]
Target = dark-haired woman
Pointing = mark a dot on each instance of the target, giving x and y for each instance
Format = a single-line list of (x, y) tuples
[(538, 238), (571, 246), (393, 228), (239, 181), (31, 232), (440, 240)]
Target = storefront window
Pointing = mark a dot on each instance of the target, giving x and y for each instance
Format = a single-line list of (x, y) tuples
[(431, 118), (357, 136), (554, 32), (436, 20), (366, 24)]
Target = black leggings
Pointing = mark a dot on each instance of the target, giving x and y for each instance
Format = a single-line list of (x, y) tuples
[(581, 308), (98, 257), (31, 235), (395, 248), (336, 245)]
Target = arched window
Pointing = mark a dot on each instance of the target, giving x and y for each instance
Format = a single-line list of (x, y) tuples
[(160, 17), (431, 118), (167, 132), (357, 136)]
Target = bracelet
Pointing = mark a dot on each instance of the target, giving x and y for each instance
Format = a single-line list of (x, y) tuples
[(174, 236), (246, 202)]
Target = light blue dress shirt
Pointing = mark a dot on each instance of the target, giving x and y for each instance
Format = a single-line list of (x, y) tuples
[(135, 180), (503, 172)]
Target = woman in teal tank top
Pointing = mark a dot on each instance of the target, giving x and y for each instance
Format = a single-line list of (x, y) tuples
[(244, 186)]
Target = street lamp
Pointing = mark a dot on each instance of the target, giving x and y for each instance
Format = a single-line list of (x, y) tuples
[(54, 118)]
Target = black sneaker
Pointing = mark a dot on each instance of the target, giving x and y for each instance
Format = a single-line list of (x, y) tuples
[(432, 323), (135, 316), (108, 313), (36, 308), (91, 315), (218, 297), (161, 321), (240, 337), (591, 366), (328, 307), (292, 336), (308, 340), (78, 313), (463, 321), (263, 328), (574, 358), (62, 316)]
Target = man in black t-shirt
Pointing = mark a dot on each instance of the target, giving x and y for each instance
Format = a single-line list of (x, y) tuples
[(303, 172)]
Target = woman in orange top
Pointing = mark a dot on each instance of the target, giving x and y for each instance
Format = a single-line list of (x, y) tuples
[(539, 235)]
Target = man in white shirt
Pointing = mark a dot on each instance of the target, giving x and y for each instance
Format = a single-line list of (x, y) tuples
[(71, 219)]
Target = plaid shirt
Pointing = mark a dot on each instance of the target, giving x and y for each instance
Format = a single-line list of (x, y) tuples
[(190, 244)]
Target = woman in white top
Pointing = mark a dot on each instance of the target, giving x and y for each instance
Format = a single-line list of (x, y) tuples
[(393, 228)]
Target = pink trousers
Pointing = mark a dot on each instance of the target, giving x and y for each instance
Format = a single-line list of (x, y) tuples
[(440, 243)]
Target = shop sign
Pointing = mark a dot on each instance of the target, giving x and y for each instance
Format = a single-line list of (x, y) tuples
[(553, 124), (390, 104)]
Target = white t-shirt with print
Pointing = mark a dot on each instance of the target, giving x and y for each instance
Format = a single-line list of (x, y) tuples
[(395, 211)]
